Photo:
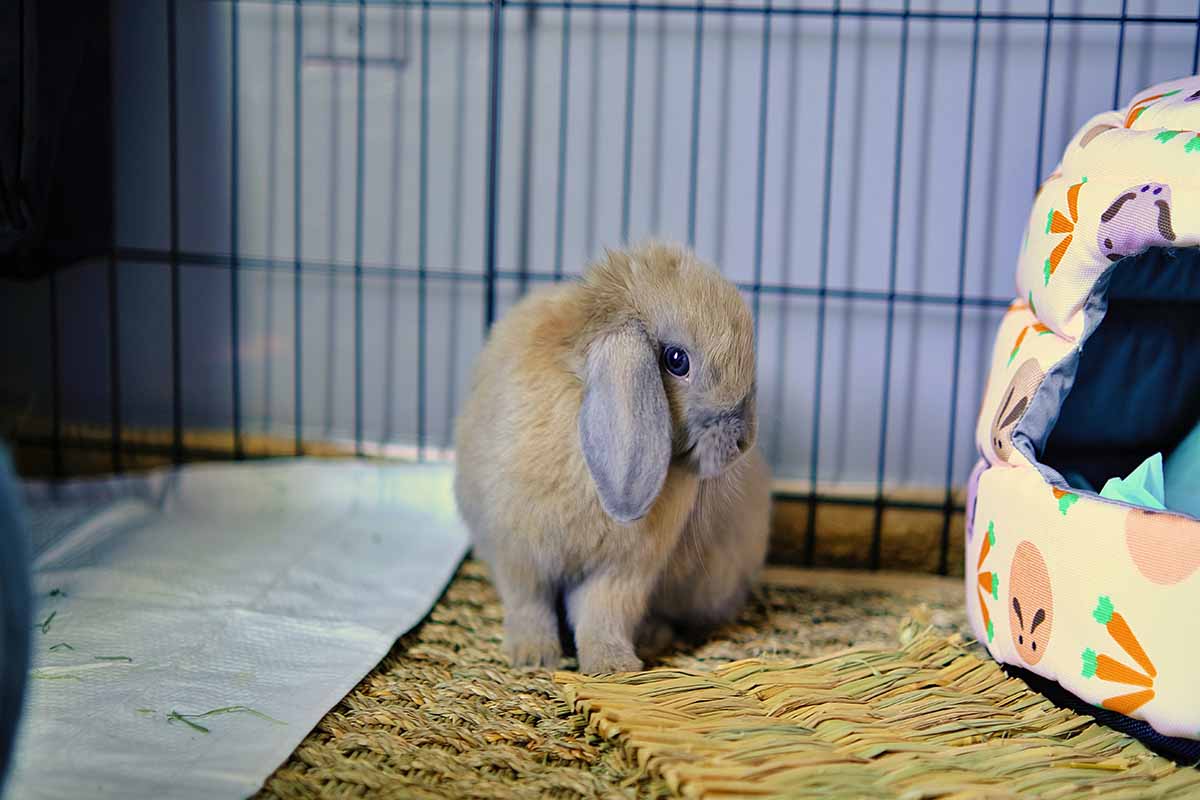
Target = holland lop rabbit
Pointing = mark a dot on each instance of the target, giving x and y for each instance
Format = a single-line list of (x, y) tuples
[(606, 457)]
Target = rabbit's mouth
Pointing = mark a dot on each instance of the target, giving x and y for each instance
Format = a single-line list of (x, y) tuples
[(718, 446)]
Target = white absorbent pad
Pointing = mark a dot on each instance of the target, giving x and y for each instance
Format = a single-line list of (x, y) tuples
[(264, 592)]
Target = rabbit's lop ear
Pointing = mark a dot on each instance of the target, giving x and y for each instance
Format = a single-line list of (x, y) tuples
[(624, 423)]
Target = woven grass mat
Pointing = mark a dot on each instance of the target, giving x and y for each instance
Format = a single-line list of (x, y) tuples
[(443, 717), (925, 720)]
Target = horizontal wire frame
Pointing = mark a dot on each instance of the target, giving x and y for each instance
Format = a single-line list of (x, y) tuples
[(754, 9), (150, 258)]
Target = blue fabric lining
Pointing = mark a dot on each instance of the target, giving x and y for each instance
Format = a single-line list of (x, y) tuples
[(1131, 386)]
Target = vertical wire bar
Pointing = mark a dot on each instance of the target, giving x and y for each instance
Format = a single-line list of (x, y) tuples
[(114, 319), (297, 226), (360, 144), (173, 177), (453, 326), (720, 194), (234, 185), (335, 206), (1116, 101), (760, 188), (268, 376), (423, 235), (943, 560), (890, 325), (496, 60), (560, 200), (694, 154), (1041, 140), (391, 317), (114, 359), (656, 159), (593, 138), (630, 80), (527, 126), (55, 380), (785, 249), (810, 542)]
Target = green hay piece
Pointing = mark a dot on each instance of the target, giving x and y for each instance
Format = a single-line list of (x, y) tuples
[(145, 712), (37, 674), (995, 586), (60, 646), (1104, 610), (175, 716), (1166, 136), (126, 659), (187, 719), (1089, 663), (45, 624), (1066, 501), (991, 534)]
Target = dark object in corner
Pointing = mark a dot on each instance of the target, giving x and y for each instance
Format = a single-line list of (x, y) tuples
[(15, 613), (56, 172), (1185, 752)]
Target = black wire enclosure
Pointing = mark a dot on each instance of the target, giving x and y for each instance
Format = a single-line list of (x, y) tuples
[(320, 207)]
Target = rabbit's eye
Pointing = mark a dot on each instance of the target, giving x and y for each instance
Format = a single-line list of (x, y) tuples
[(675, 359)]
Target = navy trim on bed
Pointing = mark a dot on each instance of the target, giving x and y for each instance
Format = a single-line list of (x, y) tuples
[(1185, 752)]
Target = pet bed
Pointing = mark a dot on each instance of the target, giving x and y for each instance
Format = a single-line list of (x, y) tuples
[(1096, 370)]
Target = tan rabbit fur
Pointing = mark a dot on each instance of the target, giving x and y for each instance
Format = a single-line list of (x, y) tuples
[(587, 471)]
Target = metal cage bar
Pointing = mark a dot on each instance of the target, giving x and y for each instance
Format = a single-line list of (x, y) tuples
[(173, 153), (810, 543)]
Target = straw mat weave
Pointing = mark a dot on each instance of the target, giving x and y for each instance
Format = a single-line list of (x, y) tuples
[(443, 717)]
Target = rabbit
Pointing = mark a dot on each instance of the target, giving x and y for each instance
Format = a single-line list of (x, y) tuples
[(606, 460)]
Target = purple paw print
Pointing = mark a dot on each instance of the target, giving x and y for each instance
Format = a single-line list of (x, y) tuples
[(1138, 218)]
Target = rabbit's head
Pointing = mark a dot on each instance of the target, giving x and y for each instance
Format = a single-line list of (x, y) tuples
[(668, 366)]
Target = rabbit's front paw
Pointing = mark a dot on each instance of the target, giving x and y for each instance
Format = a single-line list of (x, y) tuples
[(537, 649), (608, 657)]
